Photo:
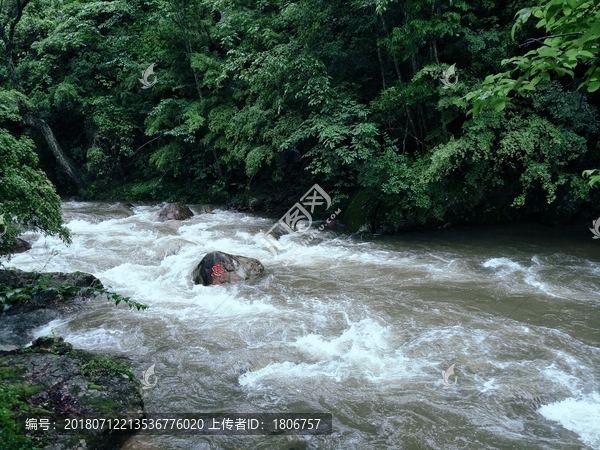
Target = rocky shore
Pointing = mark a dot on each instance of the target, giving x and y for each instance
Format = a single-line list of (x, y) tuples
[(49, 381), (43, 298)]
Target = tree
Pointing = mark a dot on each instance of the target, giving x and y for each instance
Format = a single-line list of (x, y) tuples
[(264, 98), (11, 13), (571, 40), (572, 33), (29, 201)]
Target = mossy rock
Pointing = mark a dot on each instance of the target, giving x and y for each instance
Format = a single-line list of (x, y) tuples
[(23, 292), (53, 380), (11, 373)]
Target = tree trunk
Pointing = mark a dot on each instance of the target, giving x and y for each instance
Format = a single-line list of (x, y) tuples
[(424, 119), (396, 64), (44, 128), (414, 65), (381, 67), (435, 53), (28, 118), (414, 129)]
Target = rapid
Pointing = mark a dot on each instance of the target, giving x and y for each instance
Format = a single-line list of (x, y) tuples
[(359, 327)]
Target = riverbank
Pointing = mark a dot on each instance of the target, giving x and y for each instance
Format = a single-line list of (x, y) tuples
[(43, 384)]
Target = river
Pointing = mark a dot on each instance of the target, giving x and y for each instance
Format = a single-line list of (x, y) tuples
[(362, 328)]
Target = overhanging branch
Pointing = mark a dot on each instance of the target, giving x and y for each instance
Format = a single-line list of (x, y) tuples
[(540, 40)]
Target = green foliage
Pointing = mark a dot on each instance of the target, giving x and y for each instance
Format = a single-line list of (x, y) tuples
[(496, 149), (106, 366), (13, 403), (571, 39), (9, 105), (146, 189), (28, 199), (593, 175), (272, 95)]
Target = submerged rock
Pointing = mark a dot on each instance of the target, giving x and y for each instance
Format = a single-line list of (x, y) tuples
[(175, 211), (533, 401), (50, 381), (219, 268)]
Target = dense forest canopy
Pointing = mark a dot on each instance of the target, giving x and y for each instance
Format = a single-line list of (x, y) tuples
[(264, 98)]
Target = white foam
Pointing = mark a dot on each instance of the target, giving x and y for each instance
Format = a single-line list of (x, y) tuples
[(580, 415), (562, 378), (513, 272), (53, 327), (533, 281), (363, 351), (489, 385), (102, 339), (508, 265)]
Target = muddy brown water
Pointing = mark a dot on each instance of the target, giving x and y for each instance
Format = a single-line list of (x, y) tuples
[(360, 328)]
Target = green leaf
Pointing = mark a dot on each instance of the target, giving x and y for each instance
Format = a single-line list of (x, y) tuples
[(498, 105), (552, 9), (593, 86)]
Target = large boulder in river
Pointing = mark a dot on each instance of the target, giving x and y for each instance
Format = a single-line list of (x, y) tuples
[(219, 268), (175, 211)]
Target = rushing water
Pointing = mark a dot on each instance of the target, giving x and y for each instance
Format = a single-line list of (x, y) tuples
[(359, 328)]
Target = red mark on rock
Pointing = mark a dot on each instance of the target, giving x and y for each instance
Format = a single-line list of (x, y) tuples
[(217, 272)]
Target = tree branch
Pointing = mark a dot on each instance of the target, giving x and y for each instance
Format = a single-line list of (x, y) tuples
[(541, 39)]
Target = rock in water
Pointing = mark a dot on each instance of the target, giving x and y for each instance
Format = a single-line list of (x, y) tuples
[(534, 401), (219, 268), (19, 319), (175, 211), (20, 247)]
